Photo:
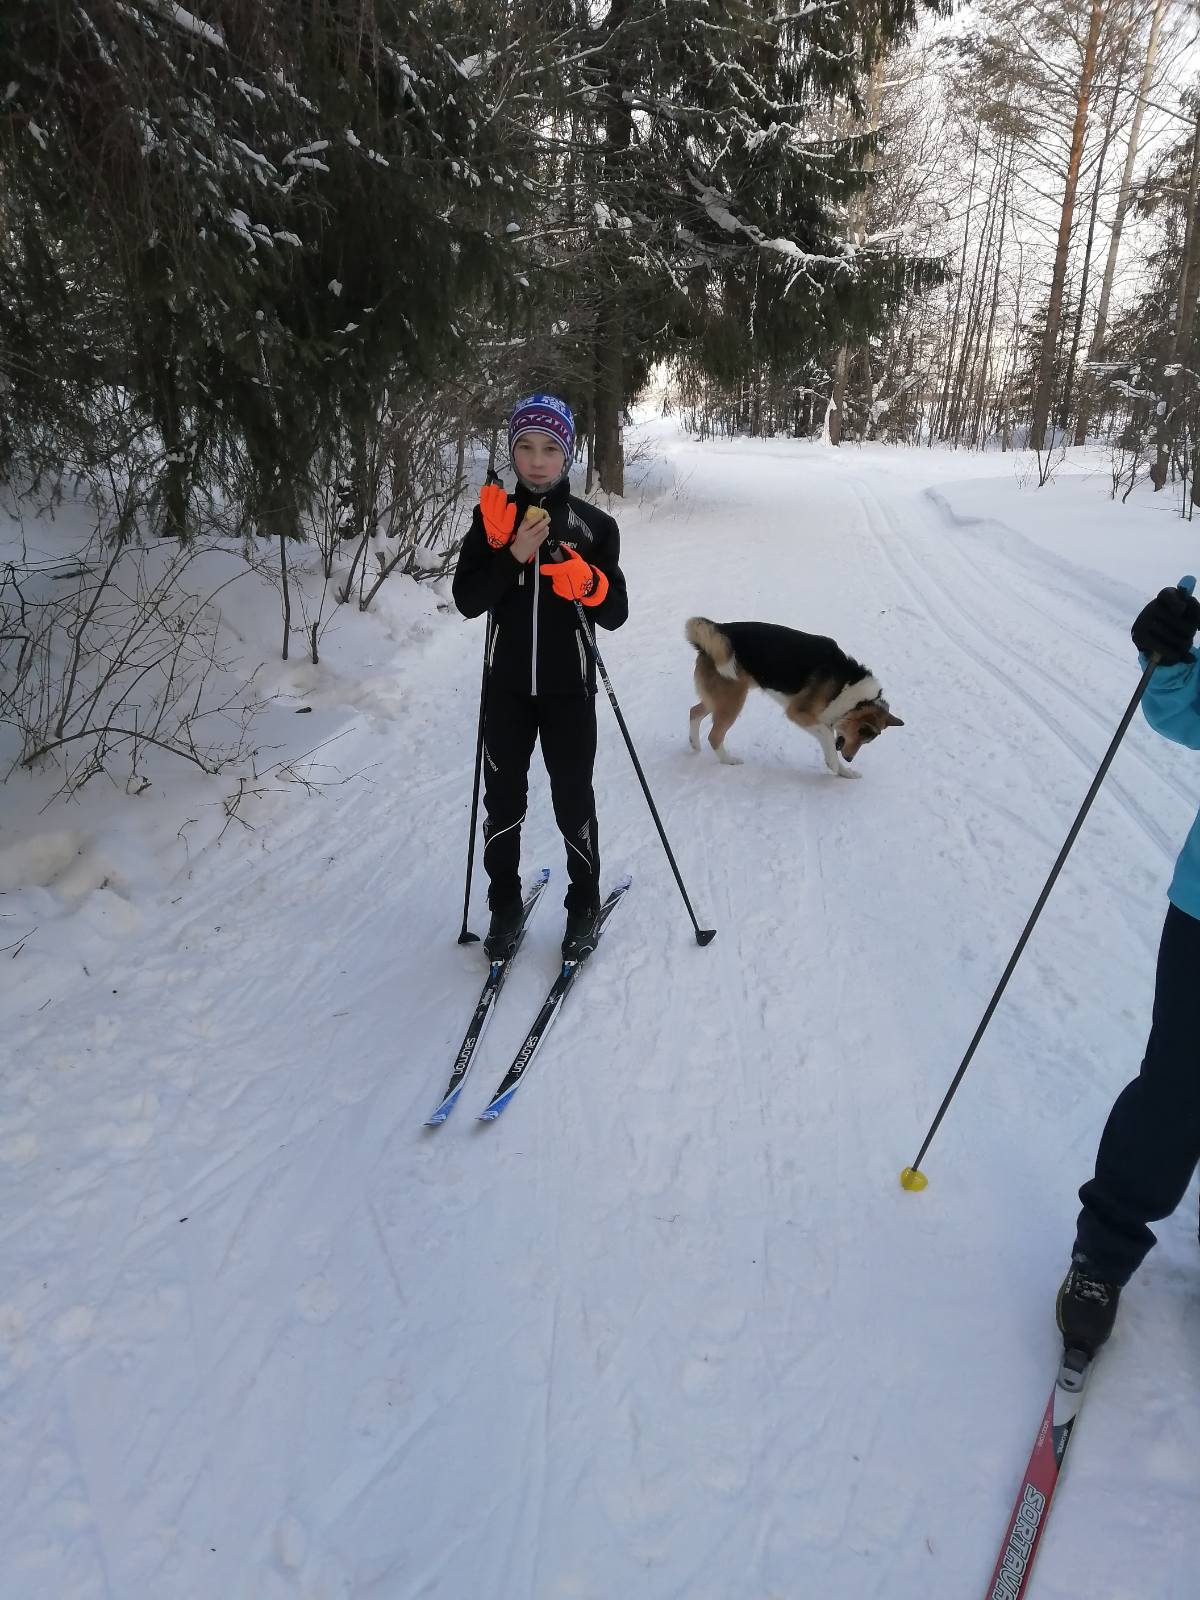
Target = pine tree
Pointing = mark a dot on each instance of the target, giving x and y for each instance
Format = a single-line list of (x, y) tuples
[(707, 169), (244, 223)]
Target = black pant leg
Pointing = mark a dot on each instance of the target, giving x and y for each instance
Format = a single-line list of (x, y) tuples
[(1151, 1143), (509, 732), (567, 725)]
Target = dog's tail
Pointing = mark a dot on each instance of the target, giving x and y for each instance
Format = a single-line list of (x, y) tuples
[(710, 641)]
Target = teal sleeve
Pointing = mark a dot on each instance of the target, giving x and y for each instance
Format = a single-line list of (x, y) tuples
[(1172, 702)]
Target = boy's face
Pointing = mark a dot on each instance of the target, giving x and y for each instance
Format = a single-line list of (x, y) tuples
[(539, 459)]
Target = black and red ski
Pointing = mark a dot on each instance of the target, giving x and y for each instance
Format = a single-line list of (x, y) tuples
[(1010, 1580)]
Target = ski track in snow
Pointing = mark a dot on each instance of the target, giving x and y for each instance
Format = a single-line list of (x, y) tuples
[(669, 1329)]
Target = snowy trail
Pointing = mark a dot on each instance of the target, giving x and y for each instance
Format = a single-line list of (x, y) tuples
[(669, 1328)]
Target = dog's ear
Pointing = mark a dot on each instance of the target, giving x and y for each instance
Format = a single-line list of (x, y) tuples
[(892, 722)]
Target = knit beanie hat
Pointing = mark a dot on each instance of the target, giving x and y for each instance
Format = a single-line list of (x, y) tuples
[(544, 413)]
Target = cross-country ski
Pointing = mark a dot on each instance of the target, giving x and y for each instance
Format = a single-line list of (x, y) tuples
[(498, 970), (1014, 1566), (548, 1013)]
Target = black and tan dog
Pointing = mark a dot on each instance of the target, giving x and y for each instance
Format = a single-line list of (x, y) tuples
[(822, 689)]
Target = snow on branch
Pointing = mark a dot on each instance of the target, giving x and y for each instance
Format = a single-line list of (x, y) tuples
[(306, 156), (185, 20), (718, 210), (475, 66), (901, 233), (291, 90), (255, 156), (804, 11)]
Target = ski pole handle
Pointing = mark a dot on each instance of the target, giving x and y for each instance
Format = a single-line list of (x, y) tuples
[(1186, 585)]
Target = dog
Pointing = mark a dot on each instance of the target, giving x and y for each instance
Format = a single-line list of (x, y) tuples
[(821, 688)]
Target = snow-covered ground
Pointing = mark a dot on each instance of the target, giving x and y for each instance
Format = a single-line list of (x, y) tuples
[(669, 1328)]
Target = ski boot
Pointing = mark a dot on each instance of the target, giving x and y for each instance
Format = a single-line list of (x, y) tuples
[(580, 938), (503, 930), (1086, 1309)]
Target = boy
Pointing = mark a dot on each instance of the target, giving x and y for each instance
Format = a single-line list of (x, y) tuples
[(1151, 1142), (541, 677)]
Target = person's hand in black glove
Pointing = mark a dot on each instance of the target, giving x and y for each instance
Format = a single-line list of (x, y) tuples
[(1167, 626)]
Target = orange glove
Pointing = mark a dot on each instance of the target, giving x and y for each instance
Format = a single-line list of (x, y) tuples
[(499, 516), (574, 579)]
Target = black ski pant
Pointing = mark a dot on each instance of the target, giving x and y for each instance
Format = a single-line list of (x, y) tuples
[(1151, 1143), (566, 726)]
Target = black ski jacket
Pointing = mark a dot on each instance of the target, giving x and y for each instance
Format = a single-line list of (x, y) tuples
[(537, 648)]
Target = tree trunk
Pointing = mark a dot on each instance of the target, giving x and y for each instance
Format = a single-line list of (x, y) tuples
[(609, 393), (868, 427), (1006, 416), (979, 429), (1064, 416), (978, 277), (841, 372), (858, 232), (1043, 393), (1178, 337), (1100, 332), (287, 594), (939, 425)]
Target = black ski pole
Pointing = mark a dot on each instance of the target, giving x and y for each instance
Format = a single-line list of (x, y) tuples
[(465, 937), (703, 935), (913, 1178)]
